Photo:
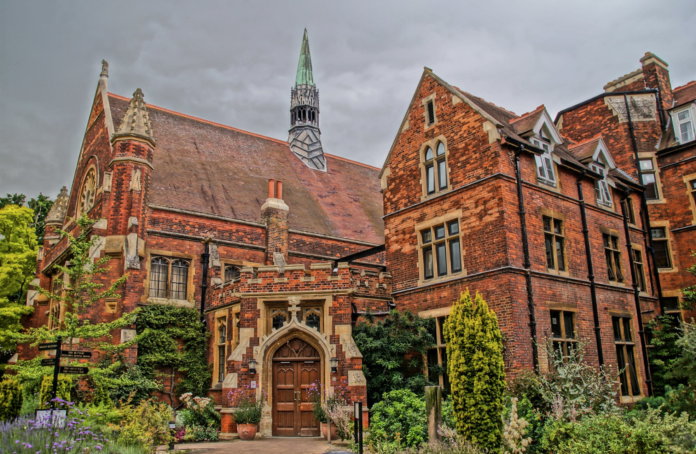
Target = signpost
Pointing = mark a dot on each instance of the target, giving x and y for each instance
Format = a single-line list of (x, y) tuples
[(57, 368)]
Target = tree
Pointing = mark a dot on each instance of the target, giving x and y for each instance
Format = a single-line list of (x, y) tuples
[(393, 352), (476, 371), (17, 267), (12, 199), (41, 206), (80, 291)]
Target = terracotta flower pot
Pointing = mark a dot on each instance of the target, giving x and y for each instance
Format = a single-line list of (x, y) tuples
[(246, 431), (334, 432)]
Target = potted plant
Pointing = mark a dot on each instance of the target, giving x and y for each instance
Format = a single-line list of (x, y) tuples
[(248, 413), (331, 407)]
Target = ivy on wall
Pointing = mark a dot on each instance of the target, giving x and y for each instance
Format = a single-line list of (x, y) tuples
[(173, 343)]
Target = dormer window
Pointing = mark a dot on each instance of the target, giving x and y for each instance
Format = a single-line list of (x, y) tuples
[(601, 186), (684, 125), (544, 163)]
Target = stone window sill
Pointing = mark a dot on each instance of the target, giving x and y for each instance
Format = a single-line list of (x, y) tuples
[(169, 302)]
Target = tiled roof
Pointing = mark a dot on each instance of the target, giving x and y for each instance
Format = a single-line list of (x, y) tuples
[(211, 168), (684, 94), (527, 121), (585, 149)]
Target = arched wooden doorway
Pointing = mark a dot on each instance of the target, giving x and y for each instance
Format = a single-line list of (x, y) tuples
[(296, 365)]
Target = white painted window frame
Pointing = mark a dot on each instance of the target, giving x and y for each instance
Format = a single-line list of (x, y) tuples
[(677, 123)]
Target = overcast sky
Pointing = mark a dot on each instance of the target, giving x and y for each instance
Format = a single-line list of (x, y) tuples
[(234, 63)]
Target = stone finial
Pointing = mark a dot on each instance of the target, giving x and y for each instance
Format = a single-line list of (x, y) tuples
[(59, 208), (105, 69), (136, 121)]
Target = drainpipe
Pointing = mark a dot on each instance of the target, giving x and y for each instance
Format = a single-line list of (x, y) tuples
[(527, 265), (645, 218), (204, 285), (590, 270), (636, 295)]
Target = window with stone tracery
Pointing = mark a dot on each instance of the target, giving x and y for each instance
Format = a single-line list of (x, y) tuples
[(278, 317), (312, 317), (88, 192), (55, 306)]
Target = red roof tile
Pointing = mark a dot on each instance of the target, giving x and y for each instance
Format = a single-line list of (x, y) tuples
[(212, 168), (684, 94)]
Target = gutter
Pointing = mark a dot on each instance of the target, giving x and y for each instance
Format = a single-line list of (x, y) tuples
[(527, 264), (590, 270), (636, 296), (645, 218)]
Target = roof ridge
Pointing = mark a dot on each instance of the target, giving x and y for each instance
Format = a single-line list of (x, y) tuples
[(340, 158), (693, 82), (487, 102), (526, 114), (191, 117), (152, 106), (597, 137)]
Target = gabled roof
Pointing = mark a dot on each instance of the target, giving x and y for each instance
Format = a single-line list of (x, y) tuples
[(210, 168), (528, 121), (684, 94), (585, 149)]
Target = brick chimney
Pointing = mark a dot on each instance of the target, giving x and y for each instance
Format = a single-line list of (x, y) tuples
[(274, 213), (656, 74)]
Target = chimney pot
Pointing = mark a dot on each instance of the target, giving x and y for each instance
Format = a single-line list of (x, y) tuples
[(271, 188), (279, 189)]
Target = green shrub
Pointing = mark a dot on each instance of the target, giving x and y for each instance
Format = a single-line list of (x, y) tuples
[(65, 385), (646, 432), (145, 425), (30, 404), (476, 370), (393, 352), (398, 420), (11, 399), (679, 400), (199, 433), (100, 396)]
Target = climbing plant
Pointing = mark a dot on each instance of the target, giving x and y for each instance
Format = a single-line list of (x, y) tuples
[(172, 343)]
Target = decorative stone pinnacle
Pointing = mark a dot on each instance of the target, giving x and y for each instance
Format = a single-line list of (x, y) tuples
[(105, 69), (60, 207), (136, 121)]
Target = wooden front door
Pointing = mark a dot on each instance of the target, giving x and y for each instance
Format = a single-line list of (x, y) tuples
[(296, 366)]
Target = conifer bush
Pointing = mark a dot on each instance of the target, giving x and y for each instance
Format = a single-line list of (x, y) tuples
[(476, 371), (62, 392), (11, 399)]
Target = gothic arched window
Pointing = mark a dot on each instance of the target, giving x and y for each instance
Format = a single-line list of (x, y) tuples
[(231, 273), (435, 169), (159, 270)]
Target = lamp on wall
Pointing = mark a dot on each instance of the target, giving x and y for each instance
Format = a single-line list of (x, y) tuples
[(252, 366), (334, 365)]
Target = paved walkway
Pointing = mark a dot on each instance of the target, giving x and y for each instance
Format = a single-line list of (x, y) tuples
[(276, 445)]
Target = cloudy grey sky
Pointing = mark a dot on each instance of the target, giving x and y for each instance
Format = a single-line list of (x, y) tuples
[(234, 62)]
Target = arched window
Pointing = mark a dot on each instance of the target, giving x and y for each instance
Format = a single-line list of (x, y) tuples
[(435, 169), (312, 317), (88, 192), (179, 279), (222, 350), (159, 270), (231, 273), (168, 278)]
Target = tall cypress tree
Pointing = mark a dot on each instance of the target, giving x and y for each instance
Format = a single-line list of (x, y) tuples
[(476, 371)]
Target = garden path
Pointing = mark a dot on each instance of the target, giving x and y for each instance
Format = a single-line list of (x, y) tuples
[(276, 445)]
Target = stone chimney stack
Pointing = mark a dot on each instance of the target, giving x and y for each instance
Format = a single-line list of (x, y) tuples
[(656, 73), (274, 213)]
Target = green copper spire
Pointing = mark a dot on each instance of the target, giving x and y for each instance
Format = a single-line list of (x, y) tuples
[(304, 67)]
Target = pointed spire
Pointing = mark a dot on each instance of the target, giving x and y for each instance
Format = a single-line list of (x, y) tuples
[(136, 121), (60, 207), (304, 66)]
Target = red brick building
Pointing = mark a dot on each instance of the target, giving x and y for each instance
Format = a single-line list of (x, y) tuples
[(477, 197), (278, 244), (649, 127)]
